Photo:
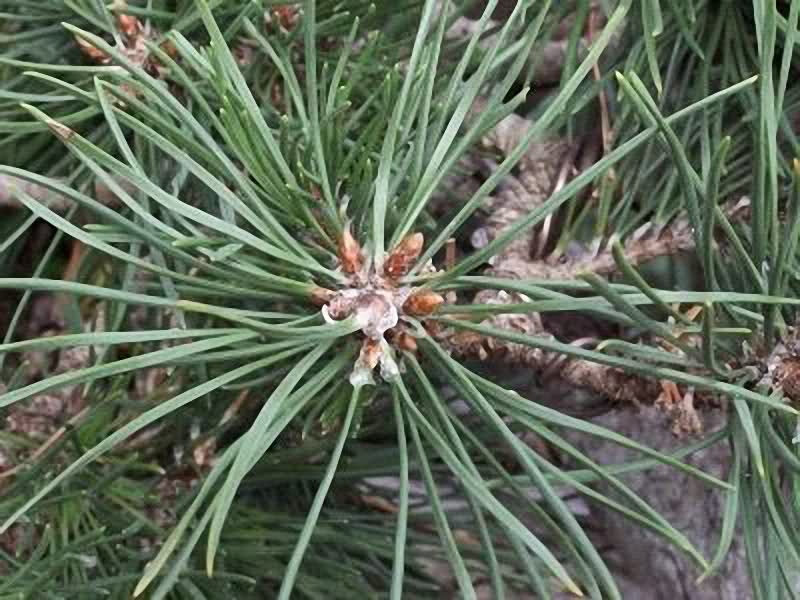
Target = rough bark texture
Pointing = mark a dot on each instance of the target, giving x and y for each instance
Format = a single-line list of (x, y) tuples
[(541, 170), (647, 567)]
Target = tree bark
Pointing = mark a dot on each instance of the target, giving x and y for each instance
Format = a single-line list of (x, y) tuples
[(646, 566)]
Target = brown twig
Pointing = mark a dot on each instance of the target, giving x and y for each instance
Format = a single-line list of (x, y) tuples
[(544, 168), (12, 187), (48, 443)]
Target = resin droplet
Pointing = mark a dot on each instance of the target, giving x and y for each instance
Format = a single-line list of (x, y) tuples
[(389, 368), (375, 314)]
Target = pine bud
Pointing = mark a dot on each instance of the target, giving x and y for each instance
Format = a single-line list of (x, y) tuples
[(286, 16), (370, 353), (169, 49), (349, 252), (404, 255), (321, 296), (422, 303), (89, 50), (406, 342), (129, 25)]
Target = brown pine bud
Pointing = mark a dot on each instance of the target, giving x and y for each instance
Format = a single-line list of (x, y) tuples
[(370, 353), (321, 296), (406, 342), (404, 255), (169, 49), (422, 303), (89, 50), (787, 376), (285, 15), (129, 25), (349, 252), (341, 306)]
